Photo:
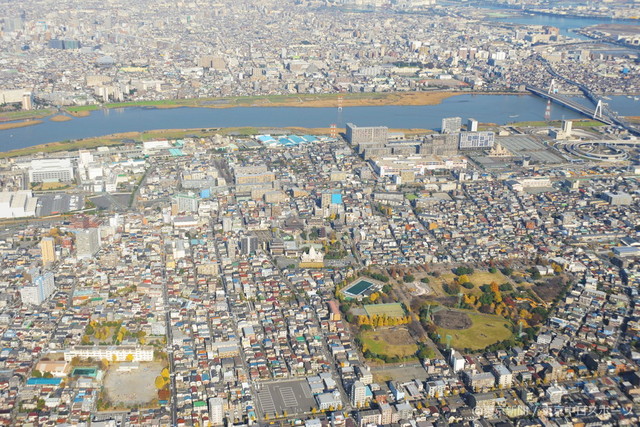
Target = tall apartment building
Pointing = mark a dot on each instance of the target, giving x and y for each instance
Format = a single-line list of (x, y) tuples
[(358, 394), (41, 288), (451, 125), (253, 175), (187, 203), (216, 411), (87, 242), (366, 135), (48, 250)]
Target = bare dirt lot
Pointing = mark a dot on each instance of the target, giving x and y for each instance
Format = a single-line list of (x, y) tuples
[(132, 388), (449, 319)]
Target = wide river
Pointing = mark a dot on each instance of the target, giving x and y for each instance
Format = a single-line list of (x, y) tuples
[(500, 109)]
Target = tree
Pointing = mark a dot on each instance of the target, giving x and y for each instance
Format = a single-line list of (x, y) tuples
[(165, 373), (408, 278), (47, 375), (129, 357), (160, 382), (36, 374)]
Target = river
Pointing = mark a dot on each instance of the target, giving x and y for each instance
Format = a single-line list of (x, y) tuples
[(500, 109), (564, 23)]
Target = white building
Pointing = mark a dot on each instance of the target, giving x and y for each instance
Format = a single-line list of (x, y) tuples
[(40, 289), (17, 204), (457, 361), (50, 170), (216, 411), (117, 353), (358, 394), (503, 375)]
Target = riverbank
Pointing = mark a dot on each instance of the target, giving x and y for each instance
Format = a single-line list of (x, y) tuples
[(116, 139), (10, 116), (22, 124), (318, 101)]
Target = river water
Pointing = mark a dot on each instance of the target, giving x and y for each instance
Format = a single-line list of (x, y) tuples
[(500, 109)]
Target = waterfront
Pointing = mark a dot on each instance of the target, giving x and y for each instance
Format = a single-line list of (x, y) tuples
[(498, 109), (566, 24)]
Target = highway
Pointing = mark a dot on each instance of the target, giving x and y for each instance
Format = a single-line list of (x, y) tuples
[(607, 116), (569, 103)]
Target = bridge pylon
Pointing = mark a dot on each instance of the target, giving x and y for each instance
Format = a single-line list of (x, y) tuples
[(598, 111)]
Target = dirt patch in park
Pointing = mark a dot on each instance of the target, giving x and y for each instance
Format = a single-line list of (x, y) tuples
[(450, 319)]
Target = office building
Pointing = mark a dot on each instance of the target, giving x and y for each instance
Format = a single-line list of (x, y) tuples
[(248, 245), (472, 125), (51, 170), (48, 250), (451, 125), (366, 135), (87, 242), (216, 411), (476, 140), (42, 286), (358, 394)]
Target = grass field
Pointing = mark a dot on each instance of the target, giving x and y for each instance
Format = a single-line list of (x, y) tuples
[(22, 115), (485, 330), (478, 278), (394, 341), (390, 310)]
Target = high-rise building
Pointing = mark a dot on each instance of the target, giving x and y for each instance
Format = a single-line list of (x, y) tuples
[(27, 101), (472, 125), (48, 250), (248, 245), (365, 135), (87, 242), (216, 411), (187, 203), (358, 394), (451, 125), (41, 288)]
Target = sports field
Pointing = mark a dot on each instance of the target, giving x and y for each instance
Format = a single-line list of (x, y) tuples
[(389, 310), (394, 341), (485, 330)]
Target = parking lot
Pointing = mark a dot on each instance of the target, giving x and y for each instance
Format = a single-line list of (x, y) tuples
[(292, 396)]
